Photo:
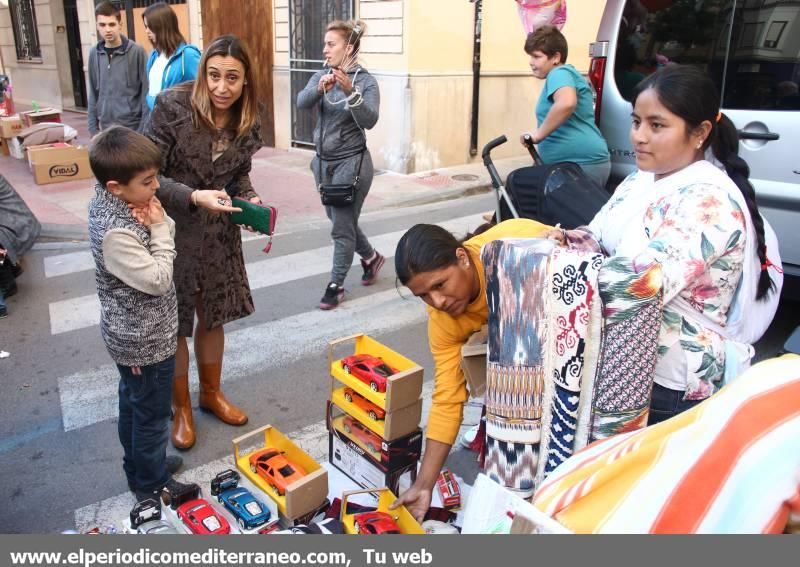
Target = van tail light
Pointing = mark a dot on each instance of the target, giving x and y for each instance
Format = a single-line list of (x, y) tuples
[(597, 74)]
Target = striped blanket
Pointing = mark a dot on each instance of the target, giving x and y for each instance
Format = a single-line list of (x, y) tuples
[(729, 465)]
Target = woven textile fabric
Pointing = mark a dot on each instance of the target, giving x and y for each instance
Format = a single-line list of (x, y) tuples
[(728, 465), (632, 312), (572, 289), (539, 299)]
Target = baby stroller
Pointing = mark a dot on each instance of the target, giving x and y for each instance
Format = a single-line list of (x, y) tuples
[(549, 193)]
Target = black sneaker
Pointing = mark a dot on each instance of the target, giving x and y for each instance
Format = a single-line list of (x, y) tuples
[(372, 268), (142, 495), (333, 295), (174, 464), (3, 312)]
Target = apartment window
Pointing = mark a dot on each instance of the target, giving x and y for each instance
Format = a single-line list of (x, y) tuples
[(774, 33), (26, 36)]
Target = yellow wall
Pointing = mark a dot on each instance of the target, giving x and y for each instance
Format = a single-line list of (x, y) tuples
[(426, 78)]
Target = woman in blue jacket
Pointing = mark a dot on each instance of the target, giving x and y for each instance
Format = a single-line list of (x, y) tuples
[(173, 61)]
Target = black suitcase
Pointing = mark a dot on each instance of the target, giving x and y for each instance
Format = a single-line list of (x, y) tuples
[(554, 193)]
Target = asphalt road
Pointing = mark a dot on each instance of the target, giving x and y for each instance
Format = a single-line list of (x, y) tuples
[(59, 453)]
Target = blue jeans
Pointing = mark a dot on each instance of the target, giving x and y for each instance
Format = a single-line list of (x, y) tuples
[(666, 403), (145, 401)]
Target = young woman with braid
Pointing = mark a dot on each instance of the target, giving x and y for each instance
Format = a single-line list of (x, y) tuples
[(691, 208)]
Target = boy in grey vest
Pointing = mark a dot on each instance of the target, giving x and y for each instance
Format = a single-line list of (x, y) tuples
[(132, 243)]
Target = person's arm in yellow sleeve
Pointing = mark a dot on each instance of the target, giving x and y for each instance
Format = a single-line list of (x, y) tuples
[(444, 420)]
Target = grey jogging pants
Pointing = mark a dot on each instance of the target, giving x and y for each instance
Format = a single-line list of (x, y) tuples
[(348, 238)]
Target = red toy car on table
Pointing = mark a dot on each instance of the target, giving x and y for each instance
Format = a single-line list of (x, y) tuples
[(362, 433), (200, 518), (375, 523), (277, 470), (369, 369), (375, 412)]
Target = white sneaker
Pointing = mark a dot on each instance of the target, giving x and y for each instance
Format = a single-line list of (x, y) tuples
[(468, 437)]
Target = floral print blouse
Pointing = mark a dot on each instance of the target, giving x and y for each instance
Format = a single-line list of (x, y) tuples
[(696, 233)]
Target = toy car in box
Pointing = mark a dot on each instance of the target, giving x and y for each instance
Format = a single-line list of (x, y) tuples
[(146, 519), (449, 489), (387, 426), (297, 491), (376, 372), (249, 512), (381, 521)]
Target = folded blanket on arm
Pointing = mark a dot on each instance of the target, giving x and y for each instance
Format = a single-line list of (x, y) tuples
[(553, 381)]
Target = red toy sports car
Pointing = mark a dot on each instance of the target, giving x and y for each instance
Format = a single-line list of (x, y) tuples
[(200, 518), (375, 523), (277, 470), (362, 433), (369, 369), (375, 412)]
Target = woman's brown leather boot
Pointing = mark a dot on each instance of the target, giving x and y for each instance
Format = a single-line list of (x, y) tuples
[(212, 399), (183, 436)]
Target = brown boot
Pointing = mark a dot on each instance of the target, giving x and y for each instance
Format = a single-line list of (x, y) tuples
[(212, 399), (183, 436)]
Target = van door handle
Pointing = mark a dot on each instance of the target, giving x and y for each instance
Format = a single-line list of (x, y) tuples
[(745, 135)]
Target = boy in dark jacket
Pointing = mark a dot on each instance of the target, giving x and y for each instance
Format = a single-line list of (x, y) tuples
[(132, 241), (117, 75)]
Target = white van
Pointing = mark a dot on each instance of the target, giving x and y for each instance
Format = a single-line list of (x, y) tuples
[(751, 48)]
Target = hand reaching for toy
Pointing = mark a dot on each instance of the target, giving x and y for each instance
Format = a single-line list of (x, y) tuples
[(417, 501)]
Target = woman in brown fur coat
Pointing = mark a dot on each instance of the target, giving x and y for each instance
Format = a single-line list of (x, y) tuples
[(207, 131)]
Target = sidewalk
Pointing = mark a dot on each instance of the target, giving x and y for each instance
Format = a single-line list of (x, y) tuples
[(281, 177)]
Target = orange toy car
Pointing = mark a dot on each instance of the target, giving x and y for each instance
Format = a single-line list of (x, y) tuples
[(362, 433), (277, 470), (375, 412)]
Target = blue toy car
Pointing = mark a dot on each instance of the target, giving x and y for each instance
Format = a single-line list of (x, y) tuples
[(249, 512)]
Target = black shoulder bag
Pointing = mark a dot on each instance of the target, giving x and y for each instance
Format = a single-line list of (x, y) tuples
[(335, 194)]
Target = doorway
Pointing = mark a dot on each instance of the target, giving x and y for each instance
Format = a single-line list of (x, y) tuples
[(307, 22), (75, 53)]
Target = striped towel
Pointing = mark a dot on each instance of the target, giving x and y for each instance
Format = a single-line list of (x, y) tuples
[(729, 465)]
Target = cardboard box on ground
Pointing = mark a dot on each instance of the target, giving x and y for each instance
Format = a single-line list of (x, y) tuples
[(54, 163), (31, 117), (10, 126)]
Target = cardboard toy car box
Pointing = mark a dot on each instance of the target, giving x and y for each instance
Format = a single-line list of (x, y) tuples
[(304, 495), (403, 388), (4, 151), (473, 362), (10, 126), (402, 518), (54, 163), (391, 426), (355, 455), (32, 117)]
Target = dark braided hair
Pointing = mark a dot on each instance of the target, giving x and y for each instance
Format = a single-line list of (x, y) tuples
[(690, 93), (428, 247)]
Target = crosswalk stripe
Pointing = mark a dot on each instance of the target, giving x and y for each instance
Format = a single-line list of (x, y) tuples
[(82, 261), (90, 396), (81, 312), (313, 439)]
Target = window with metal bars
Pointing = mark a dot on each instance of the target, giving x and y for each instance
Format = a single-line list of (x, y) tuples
[(26, 36)]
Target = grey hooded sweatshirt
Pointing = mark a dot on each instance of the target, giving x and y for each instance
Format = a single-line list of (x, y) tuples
[(117, 87), (342, 123)]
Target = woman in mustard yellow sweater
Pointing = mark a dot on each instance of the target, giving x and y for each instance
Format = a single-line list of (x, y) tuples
[(448, 276)]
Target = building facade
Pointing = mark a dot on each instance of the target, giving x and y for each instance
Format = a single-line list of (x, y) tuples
[(420, 51)]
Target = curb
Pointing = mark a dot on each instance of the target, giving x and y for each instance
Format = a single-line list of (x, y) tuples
[(64, 231), (443, 195)]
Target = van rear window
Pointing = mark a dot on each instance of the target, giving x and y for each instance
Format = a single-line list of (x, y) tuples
[(750, 47)]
